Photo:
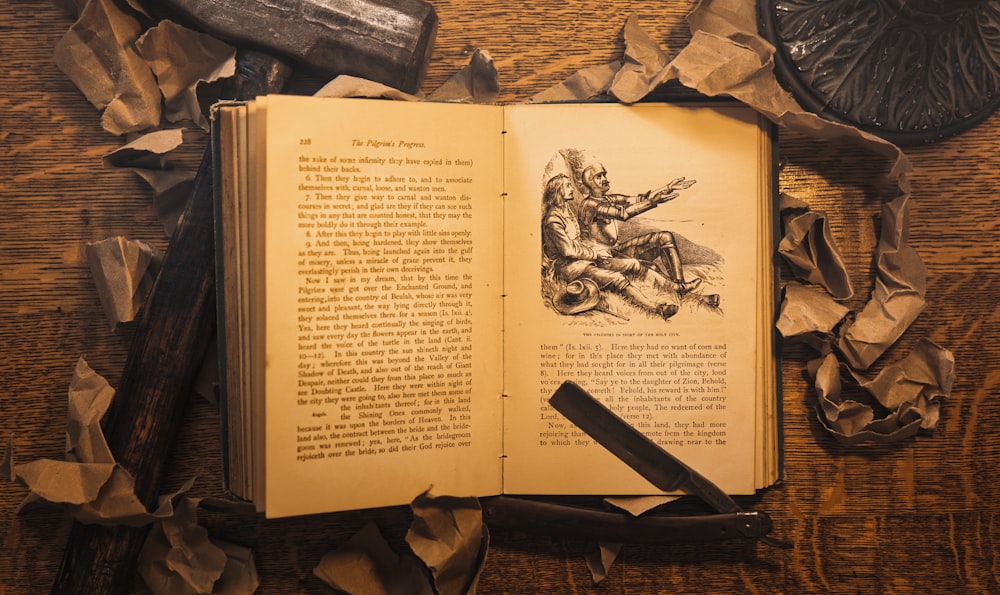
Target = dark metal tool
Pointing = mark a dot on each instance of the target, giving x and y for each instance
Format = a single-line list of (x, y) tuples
[(592, 524), (178, 318), (388, 41), (661, 469)]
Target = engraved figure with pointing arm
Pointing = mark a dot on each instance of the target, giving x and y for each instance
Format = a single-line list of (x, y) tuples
[(602, 211)]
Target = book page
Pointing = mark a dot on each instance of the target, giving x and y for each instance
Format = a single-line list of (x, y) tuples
[(383, 315), (232, 288), (633, 238)]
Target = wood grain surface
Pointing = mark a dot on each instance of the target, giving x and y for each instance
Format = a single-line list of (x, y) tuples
[(916, 517)]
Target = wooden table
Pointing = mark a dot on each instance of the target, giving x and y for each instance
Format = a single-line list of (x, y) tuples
[(920, 516)]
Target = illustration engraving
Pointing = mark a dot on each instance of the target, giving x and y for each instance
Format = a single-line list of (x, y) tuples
[(599, 256)]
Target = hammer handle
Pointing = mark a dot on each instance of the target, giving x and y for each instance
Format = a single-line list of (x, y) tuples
[(176, 325)]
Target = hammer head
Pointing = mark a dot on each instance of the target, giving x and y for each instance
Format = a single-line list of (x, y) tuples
[(388, 41)]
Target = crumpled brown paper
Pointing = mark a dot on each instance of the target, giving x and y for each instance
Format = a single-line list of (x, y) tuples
[(179, 557), (366, 565), (806, 311), (128, 72), (239, 577), (922, 378), (584, 84), (89, 484), (898, 297), (600, 557), (448, 534), (150, 157), (95, 489), (182, 59), (476, 83), (810, 249), (910, 391), (346, 85), (645, 65), (124, 271), (98, 54), (146, 151), (90, 396), (89, 464)]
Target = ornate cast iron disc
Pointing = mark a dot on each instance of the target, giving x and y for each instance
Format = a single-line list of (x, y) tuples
[(910, 71)]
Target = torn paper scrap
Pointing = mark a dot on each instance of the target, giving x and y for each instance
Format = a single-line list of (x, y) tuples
[(448, 534), (150, 156), (475, 83), (124, 272), (171, 191), (850, 421), (89, 484), (585, 84), (98, 55), (146, 151), (809, 249), (636, 505), (239, 577), (844, 416), (910, 391), (79, 479), (645, 64), (117, 503), (921, 380), (89, 398), (366, 565), (182, 59), (898, 297), (807, 311), (346, 85), (178, 556), (64, 482), (599, 558)]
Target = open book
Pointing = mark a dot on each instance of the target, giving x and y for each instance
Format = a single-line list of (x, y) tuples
[(404, 284)]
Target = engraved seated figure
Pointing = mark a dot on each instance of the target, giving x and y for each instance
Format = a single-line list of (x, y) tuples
[(602, 211), (571, 257)]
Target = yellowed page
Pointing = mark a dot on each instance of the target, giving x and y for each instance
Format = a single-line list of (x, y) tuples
[(686, 380), (382, 246), (769, 467), (232, 186), (254, 225)]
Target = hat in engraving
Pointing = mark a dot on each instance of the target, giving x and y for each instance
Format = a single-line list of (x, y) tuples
[(578, 296)]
